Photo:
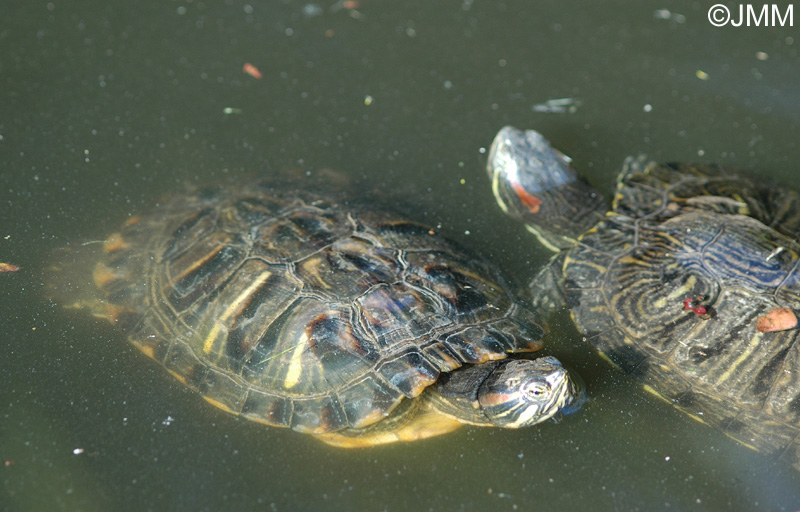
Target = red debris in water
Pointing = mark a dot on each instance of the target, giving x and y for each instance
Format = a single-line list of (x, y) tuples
[(8, 267), (251, 70)]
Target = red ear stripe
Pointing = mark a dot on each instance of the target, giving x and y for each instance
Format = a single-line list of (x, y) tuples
[(531, 202), (492, 399)]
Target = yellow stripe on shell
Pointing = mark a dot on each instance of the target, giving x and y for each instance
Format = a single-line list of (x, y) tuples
[(755, 341), (677, 292), (233, 309), (198, 263), (296, 363)]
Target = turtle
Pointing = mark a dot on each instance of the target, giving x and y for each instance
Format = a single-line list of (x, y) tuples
[(689, 280), (298, 306)]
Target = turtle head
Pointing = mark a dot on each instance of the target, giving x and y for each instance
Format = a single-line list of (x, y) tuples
[(536, 184), (522, 392)]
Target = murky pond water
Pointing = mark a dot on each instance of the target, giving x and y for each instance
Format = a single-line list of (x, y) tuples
[(107, 106)]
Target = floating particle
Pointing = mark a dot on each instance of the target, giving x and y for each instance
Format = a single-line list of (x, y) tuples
[(777, 319), (251, 70), (558, 106), (8, 267)]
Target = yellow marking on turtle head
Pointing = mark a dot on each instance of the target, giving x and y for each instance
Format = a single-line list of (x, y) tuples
[(496, 191)]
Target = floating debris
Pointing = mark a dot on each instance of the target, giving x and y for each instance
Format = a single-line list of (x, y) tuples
[(251, 70), (777, 319), (695, 305), (775, 252), (313, 10), (350, 6), (231, 110), (558, 106), (666, 14), (8, 267)]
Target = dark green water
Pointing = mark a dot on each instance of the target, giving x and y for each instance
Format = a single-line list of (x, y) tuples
[(106, 106)]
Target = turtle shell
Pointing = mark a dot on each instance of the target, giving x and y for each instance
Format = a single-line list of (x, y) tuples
[(680, 236), (294, 309)]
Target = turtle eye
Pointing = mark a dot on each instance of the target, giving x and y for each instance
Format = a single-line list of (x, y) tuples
[(536, 390)]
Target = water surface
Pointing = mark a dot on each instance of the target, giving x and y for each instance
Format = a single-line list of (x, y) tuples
[(108, 106)]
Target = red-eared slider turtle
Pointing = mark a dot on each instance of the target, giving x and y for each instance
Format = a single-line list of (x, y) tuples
[(294, 309), (690, 280)]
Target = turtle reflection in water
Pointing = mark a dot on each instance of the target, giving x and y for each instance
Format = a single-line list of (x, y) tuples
[(690, 280), (295, 309)]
